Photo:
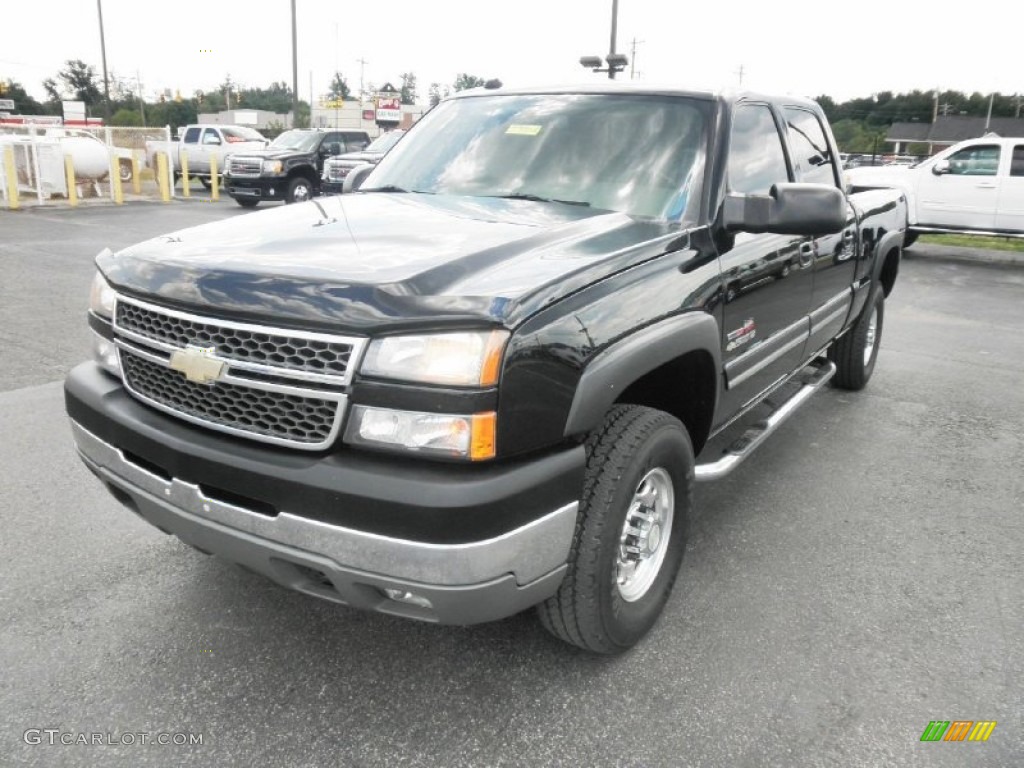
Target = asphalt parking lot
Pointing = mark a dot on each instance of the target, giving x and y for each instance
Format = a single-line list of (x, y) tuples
[(857, 578)]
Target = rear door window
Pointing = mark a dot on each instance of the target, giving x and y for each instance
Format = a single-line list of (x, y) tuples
[(812, 160)]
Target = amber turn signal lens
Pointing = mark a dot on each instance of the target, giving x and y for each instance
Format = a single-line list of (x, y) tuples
[(482, 438)]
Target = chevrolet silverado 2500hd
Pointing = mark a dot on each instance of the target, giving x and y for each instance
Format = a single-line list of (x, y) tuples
[(484, 381)]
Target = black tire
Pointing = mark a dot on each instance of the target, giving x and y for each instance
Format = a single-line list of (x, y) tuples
[(590, 609), (909, 238), (247, 202), (206, 182), (295, 192), (854, 364), (124, 167)]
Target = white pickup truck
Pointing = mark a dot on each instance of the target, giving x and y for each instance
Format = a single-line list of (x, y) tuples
[(200, 143), (976, 186)]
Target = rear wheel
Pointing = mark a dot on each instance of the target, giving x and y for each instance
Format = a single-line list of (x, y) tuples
[(124, 167), (205, 182), (299, 190), (856, 352), (630, 531)]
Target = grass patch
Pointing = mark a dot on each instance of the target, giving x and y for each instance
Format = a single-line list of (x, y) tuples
[(976, 241)]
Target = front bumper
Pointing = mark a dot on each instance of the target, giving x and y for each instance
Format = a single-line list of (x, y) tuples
[(255, 188), (482, 578)]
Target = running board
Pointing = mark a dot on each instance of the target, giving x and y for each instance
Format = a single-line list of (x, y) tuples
[(824, 369)]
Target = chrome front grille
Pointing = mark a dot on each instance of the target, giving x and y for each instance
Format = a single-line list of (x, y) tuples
[(276, 385), (289, 418), (244, 166), (292, 351), (337, 172)]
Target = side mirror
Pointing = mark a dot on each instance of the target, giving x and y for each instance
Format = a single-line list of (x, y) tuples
[(788, 209), (940, 167), (356, 177)]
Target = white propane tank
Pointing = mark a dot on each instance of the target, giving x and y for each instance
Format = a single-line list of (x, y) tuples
[(89, 156)]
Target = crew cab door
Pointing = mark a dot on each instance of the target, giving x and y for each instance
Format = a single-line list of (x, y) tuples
[(213, 144), (767, 279), (964, 196), (1010, 210), (835, 256), (333, 144)]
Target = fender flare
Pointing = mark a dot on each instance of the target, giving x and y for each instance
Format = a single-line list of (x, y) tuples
[(892, 240), (613, 369)]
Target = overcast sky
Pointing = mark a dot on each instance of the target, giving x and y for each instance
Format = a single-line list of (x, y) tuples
[(805, 48)]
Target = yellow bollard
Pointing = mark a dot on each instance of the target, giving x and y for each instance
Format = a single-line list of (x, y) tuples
[(183, 158), (161, 177), (69, 173), (115, 178), (11, 179), (214, 181), (136, 181)]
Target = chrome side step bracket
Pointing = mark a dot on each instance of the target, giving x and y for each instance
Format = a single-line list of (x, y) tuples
[(823, 370)]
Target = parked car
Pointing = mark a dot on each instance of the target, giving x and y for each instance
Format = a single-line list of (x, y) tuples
[(484, 380), (337, 168), (974, 186), (290, 169), (198, 143)]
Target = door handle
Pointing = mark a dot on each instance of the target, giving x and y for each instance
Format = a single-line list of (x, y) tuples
[(985, 186)]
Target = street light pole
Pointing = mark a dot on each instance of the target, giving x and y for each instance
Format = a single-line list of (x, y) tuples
[(295, 71), (615, 29), (103, 53)]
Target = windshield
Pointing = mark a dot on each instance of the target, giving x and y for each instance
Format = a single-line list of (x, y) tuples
[(304, 141), (384, 142), (639, 154)]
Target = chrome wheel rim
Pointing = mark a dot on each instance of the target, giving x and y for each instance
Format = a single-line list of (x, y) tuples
[(869, 337), (301, 193), (645, 535)]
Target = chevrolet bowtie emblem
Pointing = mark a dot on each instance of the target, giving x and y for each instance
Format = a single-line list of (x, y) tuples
[(198, 364)]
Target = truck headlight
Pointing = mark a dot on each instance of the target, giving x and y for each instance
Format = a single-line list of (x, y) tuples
[(439, 434), (102, 298), (102, 303), (272, 166), (465, 359)]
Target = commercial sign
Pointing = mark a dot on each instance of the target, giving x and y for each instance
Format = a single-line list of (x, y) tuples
[(389, 109), (7, 104)]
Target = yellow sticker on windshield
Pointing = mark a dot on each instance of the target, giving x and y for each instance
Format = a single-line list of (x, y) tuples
[(523, 130)]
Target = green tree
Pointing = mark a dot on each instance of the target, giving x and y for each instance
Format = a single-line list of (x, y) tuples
[(339, 88), (126, 117), (23, 103), (408, 88), (435, 94), (173, 113), (79, 80), (464, 81)]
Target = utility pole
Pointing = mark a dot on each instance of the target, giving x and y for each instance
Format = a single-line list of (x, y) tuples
[(1018, 105), (142, 104), (632, 57), (295, 71), (615, 29), (362, 69), (988, 118), (935, 105), (103, 53), (739, 73)]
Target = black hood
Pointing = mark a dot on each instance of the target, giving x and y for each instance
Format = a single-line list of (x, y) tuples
[(388, 260)]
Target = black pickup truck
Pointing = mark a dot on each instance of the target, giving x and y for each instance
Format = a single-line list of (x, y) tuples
[(289, 169), (486, 379)]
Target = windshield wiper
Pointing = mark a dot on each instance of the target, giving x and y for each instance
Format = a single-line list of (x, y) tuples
[(539, 199)]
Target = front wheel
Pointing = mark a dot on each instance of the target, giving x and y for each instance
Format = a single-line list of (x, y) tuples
[(247, 202), (299, 191), (856, 352), (630, 531)]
